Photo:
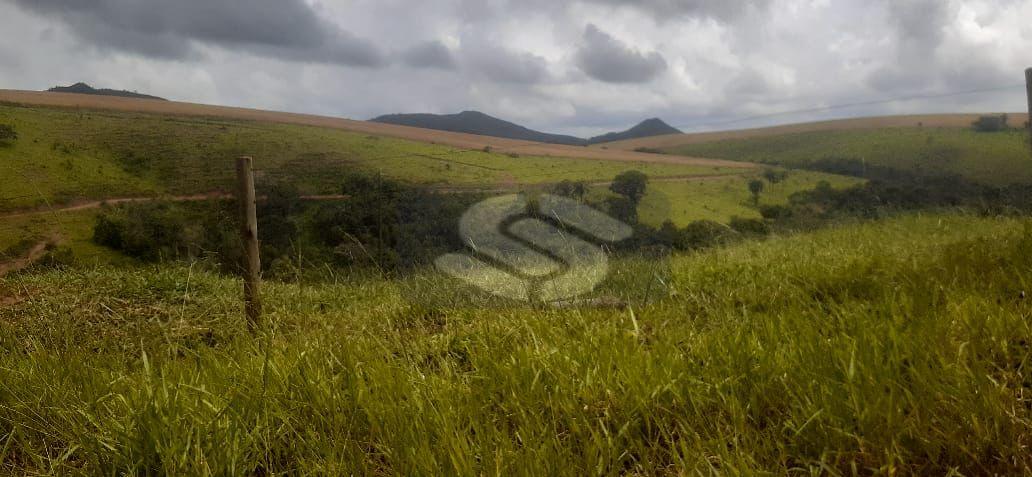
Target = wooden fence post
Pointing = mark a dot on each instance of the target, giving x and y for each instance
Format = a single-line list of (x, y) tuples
[(249, 235), (1028, 93)]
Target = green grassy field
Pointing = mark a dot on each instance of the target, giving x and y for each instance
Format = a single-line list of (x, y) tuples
[(720, 199), (62, 155), (993, 158), (892, 347)]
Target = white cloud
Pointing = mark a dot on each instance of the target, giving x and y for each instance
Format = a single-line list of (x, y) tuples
[(690, 62)]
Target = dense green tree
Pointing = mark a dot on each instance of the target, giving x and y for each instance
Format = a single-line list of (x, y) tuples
[(774, 176), (755, 187), (622, 209), (7, 134), (572, 189), (701, 234), (990, 123), (631, 185)]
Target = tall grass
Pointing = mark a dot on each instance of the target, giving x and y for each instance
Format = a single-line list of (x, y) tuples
[(896, 347)]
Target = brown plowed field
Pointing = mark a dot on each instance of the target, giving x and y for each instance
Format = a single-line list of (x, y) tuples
[(879, 122), (461, 140)]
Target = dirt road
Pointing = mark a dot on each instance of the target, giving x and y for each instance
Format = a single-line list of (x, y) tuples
[(35, 253), (95, 204)]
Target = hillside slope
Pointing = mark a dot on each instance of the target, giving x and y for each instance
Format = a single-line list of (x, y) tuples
[(995, 158), (878, 122), (69, 155), (647, 128), (475, 122), (459, 140)]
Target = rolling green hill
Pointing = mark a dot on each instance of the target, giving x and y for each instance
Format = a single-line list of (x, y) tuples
[(63, 155), (68, 156), (993, 158)]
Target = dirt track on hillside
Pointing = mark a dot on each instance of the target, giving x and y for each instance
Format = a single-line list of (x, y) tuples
[(35, 253), (461, 140), (96, 204), (910, 121)]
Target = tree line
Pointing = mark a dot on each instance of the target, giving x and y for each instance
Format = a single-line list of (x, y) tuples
[(388, 226)]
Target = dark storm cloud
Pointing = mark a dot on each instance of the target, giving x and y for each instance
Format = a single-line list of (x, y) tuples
[(748, 84), (910, 65), (431, 54), (724, 10), (607, 59), (503, 65), (284, 29), (919, 24), (919, 27)]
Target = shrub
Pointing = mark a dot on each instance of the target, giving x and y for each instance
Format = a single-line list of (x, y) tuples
[(701, 234), (774, 176), (623, 209), (755, 227), (755, 187), (630, 184), (7, 134), (166, 231), (571, 189), (775, 212), (990, 123), (55, 258)]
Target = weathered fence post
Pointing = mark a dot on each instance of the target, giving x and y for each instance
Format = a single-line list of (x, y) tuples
[(1028, 93), (249, 235)]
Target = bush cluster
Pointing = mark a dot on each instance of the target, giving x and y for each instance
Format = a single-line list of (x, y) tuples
[(992, 123), (7, 134), (388, 226)]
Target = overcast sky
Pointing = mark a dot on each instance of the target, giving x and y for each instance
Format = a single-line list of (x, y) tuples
[(578, 67)]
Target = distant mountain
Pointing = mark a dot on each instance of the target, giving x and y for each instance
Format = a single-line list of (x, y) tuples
[(646, 128), (475, 122), (83, 88)]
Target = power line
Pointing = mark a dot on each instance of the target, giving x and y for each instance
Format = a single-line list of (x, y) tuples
[(854, 104)]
